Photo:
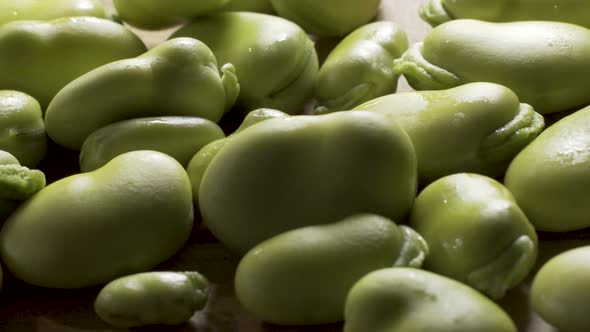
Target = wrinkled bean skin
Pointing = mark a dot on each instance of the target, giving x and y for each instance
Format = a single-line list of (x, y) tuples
[(476, 127), (286, 173), (477, 233), (301, 277), (436, 12), (276, 62), (17, 183), (177, 78), (547, 64), (87, 229), (360, 67), (405, 299), (560, 292), (177, 136), (35, 59), (549, 178), (149, 298)]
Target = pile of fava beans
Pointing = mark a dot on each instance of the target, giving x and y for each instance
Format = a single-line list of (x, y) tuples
[(344, 200)]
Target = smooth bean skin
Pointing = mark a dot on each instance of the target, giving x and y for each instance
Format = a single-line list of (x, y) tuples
[(22, 127), (13, 10), (329, 17), (201, 160), (17, 183), (547, 64), (560, 291), (301, 277), (276, 62), (41, 57), (87, 229), (476, 127), (177, 136), (577, 12), (287, 173), (477, 233), (407, 300), (360, 67), (259, 6), (158, 14), (148, 298), (549, 178), (177, 78)]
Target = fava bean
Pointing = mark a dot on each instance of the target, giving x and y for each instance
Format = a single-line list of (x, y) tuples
[(158, 14), (152, 298), (276, 62), (577, 12), (22, 127), (560, 292), (177, 136), (87, 229), (286, 173), (328, 17), (476, 127), (17, 183), (21, 10), (360, 67), (302, 276), (406, 299), (547, 64), (201, 160), (549, 178), (178, 77), (476, 232), (41, 57)]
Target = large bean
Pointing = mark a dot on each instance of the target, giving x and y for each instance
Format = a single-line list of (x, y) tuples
[(178, 77), (41, 57), (547, 64)]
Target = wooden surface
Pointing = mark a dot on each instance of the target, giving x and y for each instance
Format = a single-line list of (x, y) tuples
[(27, 308)]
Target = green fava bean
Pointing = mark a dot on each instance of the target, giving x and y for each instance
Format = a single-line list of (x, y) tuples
[(329, 17), (360, 67), (21, 122), (560, 292), (549, 178), (176, 136), (87, 229), (476, 127), (408, 300), (158, 14), (275, 60), (301, 277), (201, 160), (178, 77), (41, 57), (17, 183), (259, 6), (476, 232), (577, 12), (547, 64), (286, 173), (13, 10), (152, 298)]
